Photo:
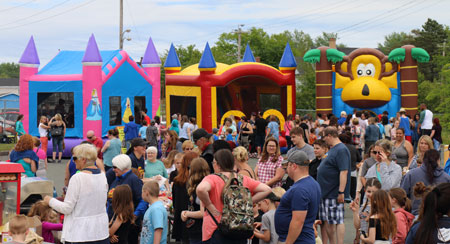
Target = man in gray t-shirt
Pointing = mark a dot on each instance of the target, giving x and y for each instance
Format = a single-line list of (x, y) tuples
[(300, 145), (299, 142)]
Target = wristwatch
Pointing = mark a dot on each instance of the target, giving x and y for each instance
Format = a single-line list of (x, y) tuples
[(340, 192)]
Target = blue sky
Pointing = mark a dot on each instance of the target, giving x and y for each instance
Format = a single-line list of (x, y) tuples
[(67, 24)]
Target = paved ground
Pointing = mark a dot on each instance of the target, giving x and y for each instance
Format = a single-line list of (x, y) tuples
[(55, 172)]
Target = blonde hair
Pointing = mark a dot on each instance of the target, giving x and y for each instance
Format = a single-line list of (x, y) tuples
[(152, 188), (42, 117), (44, 212), (18, 225), (58, 117), (240, 154), (87, 151), (386, 145), (187, 143), (278, 191), (168, 161), (355, 121), (428, 140)]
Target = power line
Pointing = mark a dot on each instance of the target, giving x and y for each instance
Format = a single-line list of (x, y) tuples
[(381, 16), (395, 18), (17, 6), (38, 13), (49, 17)]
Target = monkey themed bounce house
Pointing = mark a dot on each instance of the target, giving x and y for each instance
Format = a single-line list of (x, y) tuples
[(91, 89), (366, 79)]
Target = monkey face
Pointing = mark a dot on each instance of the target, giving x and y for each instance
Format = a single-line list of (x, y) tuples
[(364, 87)]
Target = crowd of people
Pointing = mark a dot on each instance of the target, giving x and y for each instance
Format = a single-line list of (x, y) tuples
[(191, 186)]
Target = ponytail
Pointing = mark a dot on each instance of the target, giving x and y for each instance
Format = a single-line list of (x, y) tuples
[(435, 204), (400, 196), (430, 160)]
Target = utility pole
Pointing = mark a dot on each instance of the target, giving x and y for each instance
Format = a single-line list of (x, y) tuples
[(121, 26), (239, 32)]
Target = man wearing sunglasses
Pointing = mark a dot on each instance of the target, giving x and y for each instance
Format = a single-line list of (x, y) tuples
[(97, 142)]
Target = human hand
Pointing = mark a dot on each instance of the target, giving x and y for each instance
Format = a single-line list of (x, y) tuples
[(114, 239), (184, 217), (340, 198), (354, 206), (257, 225), (47, 199)]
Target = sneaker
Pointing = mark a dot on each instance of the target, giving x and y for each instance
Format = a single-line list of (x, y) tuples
[(59, 161)]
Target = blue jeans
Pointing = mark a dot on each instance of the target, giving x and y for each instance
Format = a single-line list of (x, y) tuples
[(57, 142), (437, 145)]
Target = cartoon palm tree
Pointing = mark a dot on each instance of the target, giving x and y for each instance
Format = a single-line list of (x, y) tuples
[(408, 56), (324, 57)]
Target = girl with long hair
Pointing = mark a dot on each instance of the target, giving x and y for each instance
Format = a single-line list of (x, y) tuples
[(430, 173), (185, 129), (193, 217), (401, 205), (361, 213), (19, 126), (57, 124), (382, 223), (434, 222), (181, 197), (436, 134), (171, 141), (122, 205), (49, 219), (424, 144), (269, 168), (169, 162)]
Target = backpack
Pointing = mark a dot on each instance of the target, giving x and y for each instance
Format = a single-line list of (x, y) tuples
[(237, 214)]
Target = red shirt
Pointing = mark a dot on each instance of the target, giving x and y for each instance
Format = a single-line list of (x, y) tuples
[(147, 119), (98, 143)]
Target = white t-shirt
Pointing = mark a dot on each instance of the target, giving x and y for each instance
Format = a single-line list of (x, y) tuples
[(42, 131), (427, 120)]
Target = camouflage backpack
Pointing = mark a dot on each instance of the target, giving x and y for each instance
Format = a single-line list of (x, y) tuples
[(237, 214)]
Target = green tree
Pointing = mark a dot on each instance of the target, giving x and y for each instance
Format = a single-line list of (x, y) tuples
[(431, 37), (324, 40), (395, 40), (9, 70)]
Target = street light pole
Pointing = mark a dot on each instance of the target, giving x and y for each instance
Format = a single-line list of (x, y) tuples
[(121, 26), (239, 32)]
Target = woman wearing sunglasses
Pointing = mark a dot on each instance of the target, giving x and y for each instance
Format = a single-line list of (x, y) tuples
[(385, 169)]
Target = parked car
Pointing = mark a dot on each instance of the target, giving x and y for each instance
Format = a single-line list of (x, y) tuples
[(8, 122)]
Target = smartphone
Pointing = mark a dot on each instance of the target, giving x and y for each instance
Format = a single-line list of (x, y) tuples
[(364, 233)]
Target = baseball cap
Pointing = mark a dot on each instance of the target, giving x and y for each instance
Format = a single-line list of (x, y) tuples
[(135, 143), (199, 133), (122, 161), (273, 197), (402, 110), (298, 157)]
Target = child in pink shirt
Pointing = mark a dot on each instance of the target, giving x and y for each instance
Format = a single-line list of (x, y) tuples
[(49, 219)]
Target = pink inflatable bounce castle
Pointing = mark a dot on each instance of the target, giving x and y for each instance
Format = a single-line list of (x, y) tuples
[(91, 89)]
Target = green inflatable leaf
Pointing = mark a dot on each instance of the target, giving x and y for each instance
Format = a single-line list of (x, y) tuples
[(397, 55), (420, 55), (312, 56), (333, 55)]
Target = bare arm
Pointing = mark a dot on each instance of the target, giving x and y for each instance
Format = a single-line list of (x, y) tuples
[(278, 176), (432, 133), (67, 174), (296, 226), (410, 150), (157, 235), (105, 146), (115, 226), (342, 183), (203, 194), (261, 191), (371, 238)]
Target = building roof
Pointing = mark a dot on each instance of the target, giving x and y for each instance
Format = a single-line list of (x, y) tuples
[(9, 82), (70, 62)]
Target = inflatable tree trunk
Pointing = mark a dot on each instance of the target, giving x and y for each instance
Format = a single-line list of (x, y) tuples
[(408, 80), (324, 79)]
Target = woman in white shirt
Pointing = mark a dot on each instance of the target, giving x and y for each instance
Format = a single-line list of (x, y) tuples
[(84, 206), (43, 133)]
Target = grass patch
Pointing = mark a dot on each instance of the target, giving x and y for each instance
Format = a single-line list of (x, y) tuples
[(6, 147)]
